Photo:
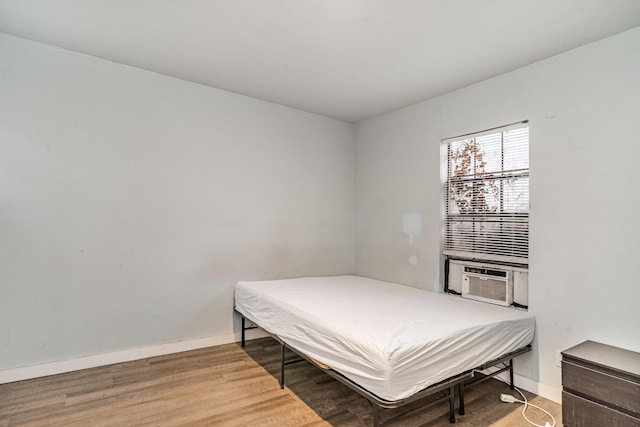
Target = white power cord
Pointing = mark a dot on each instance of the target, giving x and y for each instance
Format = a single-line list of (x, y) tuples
[(510, 399)]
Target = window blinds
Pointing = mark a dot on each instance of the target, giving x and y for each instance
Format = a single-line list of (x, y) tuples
[(486, 192)]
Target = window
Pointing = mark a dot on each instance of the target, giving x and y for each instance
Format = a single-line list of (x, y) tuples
[(486, 195)]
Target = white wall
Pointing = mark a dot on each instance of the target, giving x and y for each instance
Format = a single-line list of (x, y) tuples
[(131, 203), (584, 111)]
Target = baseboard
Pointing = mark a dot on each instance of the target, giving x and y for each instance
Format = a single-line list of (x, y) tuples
[(86, 362)]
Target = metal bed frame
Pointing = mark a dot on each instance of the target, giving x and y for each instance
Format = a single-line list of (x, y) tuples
[(445, 388)]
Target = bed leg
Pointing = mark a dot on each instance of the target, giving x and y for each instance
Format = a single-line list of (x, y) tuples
[(376, 415), (242, 341), (511, 384), (452, 414), (461, 397), (282, 365)]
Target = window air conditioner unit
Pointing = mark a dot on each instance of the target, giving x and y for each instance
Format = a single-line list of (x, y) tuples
[(488, 285)]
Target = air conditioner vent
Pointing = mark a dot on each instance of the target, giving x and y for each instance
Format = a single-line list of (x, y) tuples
[(494, 286)]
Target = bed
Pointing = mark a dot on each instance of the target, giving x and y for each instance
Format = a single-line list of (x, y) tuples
[(391, 343)]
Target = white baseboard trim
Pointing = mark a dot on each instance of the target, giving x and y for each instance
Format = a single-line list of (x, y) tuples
[(86, 362), (542, 390)]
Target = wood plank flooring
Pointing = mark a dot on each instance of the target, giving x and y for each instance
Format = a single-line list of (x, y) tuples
[(228, 386)]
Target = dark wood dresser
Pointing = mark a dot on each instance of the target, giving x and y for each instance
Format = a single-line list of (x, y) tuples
[(600, 386)]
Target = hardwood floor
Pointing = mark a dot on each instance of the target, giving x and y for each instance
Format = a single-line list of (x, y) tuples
[(228, 386)]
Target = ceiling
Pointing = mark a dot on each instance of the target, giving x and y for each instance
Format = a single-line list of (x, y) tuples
[(346, 59)]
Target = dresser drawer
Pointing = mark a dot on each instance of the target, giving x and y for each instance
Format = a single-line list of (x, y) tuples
[(579, 412), (602, 386)]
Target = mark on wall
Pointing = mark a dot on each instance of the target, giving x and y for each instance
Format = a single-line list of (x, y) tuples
[(412, 225)]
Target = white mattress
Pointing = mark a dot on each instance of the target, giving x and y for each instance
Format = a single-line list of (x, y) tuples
[(391, 339)]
